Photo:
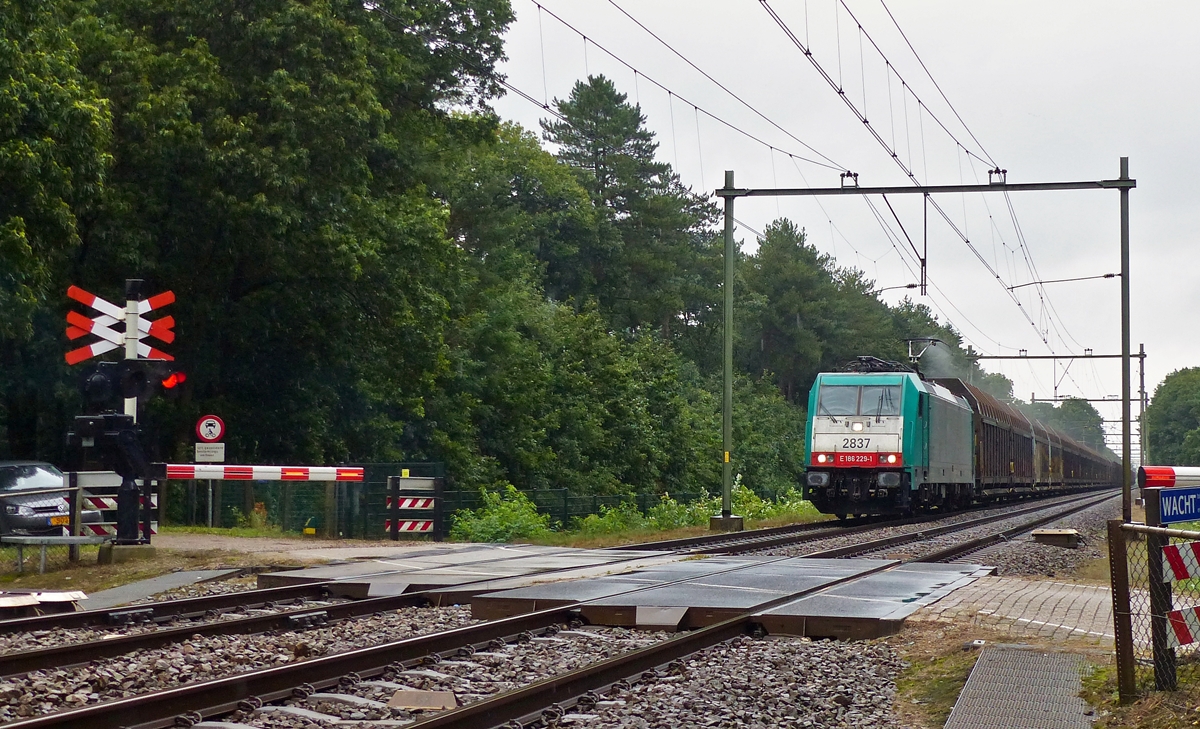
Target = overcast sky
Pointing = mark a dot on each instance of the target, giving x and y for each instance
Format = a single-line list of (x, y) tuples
[(1050, 91)]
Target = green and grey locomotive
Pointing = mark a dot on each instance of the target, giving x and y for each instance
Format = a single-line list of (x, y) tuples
[(883, 439)]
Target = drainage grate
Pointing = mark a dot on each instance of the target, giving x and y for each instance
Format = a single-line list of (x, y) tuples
[(1022, 688)]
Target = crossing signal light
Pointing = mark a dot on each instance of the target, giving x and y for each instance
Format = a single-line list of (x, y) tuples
[(106, 384)]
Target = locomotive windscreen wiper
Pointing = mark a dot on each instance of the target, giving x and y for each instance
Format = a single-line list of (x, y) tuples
[(821, 405)]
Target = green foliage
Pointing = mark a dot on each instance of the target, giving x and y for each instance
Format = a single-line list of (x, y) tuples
[(653, 273), (1173, 420), (365, 275), (624, 517), (54, 133), (1077, 418), (750, 505), (670, 514), (504, 517)]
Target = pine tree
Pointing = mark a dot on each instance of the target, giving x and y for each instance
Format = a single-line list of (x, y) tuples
[(662, 227)]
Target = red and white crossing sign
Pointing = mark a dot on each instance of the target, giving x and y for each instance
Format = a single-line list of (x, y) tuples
[(110, 315)]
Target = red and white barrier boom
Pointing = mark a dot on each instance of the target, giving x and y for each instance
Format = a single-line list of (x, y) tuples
[(216, 472), (1168, 476)]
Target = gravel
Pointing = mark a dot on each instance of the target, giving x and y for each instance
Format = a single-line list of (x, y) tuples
[(206, 658), (775, 682), (909, 551), (772, 682), (1025, 557), (31, 640), (471, 676)]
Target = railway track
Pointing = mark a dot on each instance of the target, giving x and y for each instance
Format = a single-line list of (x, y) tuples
[(378, 668), (1046, 513), (307, 607), (759, 539)]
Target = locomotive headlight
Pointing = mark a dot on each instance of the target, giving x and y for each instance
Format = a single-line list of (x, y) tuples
[(821, 458), (891, 458), (857, 427)]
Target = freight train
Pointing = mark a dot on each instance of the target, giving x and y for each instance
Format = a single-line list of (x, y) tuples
[(883, 439)]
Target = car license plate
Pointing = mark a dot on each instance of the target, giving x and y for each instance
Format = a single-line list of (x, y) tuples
[(60, 520)]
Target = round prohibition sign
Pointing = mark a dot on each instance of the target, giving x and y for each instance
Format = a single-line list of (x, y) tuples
[(210, 428)]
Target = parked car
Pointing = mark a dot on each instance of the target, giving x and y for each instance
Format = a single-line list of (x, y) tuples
[(35, 514)]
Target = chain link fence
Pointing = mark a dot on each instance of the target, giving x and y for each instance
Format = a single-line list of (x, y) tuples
[(1156, 608), (352, 510)]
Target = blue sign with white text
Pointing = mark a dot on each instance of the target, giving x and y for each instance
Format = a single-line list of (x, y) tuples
[(1179, 504)]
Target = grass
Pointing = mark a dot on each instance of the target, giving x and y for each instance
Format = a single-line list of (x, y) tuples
[(638, 536), (935, 686), (1152, 710), (88, 576)]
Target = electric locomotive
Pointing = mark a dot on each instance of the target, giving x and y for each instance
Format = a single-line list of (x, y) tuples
[(882, 439)]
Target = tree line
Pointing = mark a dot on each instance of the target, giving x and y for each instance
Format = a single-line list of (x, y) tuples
[(370, 266)]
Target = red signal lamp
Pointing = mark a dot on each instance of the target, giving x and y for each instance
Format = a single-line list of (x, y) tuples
[(176, 378)]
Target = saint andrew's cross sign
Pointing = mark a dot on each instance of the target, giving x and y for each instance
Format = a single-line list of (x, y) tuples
[(111, 315)]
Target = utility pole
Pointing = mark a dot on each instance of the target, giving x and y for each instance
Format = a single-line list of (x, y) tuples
[(1127, 437), (727, 521)]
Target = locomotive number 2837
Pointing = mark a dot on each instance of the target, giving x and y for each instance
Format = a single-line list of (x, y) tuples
[(856, 442)]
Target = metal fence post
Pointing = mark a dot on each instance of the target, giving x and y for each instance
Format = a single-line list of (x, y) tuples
[(1160, 597), (331, 511), (1118, 560), (393, 487), (75, 502), (148, 487), (566, 508), (439, 510)]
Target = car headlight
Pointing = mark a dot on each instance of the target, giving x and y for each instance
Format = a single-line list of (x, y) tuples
[(817, 478)]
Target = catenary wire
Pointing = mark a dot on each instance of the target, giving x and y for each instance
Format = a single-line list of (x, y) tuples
[(722, 86), (938, 208), (935, 83), (699, 109)]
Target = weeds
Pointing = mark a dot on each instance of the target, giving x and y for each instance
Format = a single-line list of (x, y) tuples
[(511, 515), (504, 517)]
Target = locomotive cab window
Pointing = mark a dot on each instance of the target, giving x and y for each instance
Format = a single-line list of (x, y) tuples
[(880, 400), (838, 400)]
